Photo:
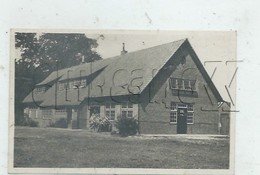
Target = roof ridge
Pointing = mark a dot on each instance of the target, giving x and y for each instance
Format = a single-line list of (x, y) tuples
[(118, 56), (171, 44)]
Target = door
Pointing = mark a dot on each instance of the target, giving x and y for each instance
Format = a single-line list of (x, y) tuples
[(182, 121), (225, 124)]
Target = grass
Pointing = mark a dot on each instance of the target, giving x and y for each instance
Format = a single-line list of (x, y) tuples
[(61, 148)]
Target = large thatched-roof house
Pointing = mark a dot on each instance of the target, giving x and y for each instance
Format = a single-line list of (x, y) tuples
[(165, 87)]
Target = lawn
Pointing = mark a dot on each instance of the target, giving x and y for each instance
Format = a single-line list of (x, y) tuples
[(52, 148)]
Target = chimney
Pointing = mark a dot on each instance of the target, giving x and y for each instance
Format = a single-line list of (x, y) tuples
[(123, 52), (82, 59)]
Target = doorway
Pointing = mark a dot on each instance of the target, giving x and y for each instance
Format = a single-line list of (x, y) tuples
[(182, 121), (225, 124)]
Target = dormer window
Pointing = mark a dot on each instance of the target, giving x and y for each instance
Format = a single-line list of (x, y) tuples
[(182, 84), (83, 83), (76, 82), (72, 83), (40, 89)]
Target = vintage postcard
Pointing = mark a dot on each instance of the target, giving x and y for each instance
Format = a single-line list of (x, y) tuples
[(122, 102)]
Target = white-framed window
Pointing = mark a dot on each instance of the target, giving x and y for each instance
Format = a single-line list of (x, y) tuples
[(46, 113), (76, 82), (127, 110), (192, 85), (190, 117), (83, 83), (110, 111), (71, 84), (179, 83), (190, 108), (60, 111), (33, 112), (173, 117), (40, 89), (182, 84), (187, 84), (190, 113), (174, 112)]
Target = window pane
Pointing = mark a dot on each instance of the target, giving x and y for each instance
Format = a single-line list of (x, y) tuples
[(83, 82), (190, 118), (182, 105), (173, 82), (112, 116), (113, 105), (130, 113), (190, 107), (192, 84), (187, 84), (71, 85), (107, 114), (180, 85), (173, 117), (173, 106), (123, 113)]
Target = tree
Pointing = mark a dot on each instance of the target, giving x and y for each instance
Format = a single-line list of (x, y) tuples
[(68, 49), (41, 53)]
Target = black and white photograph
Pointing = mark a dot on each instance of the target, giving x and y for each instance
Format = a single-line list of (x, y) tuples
[(161, 100), (129, 87)]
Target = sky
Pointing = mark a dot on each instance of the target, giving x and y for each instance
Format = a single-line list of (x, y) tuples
[(210, 46)]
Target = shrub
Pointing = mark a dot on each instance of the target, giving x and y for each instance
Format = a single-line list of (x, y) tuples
[(28, 122), (61, 123), (32, 123), (100, 123), (113, 133), (127, 126)]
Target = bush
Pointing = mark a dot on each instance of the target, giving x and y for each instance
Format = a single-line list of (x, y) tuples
[(32, 123), (28, 122), (127, 126), (100, 123), (61, 123)]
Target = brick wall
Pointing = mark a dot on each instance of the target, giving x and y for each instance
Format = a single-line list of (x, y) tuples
[(36, 114), (154, 109)]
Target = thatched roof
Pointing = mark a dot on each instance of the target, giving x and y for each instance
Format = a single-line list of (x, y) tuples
[(116, 76)]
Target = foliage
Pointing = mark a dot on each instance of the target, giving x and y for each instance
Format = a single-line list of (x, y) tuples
[(100, 123), (127, 126), (43, 53), (27, 122), (61, 123)]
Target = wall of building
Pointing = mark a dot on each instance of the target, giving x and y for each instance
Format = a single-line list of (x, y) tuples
[(84, 114), (36, 114), (154, 109)]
